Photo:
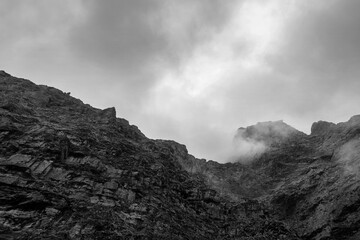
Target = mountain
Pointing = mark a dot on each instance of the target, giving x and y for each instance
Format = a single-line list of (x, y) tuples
[(310, 182), (71, 171)]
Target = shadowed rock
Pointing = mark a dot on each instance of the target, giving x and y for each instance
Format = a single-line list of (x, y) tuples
[(70, 171)]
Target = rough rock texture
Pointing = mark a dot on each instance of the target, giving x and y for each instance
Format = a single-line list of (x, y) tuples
[(70, 171), (311, 182)]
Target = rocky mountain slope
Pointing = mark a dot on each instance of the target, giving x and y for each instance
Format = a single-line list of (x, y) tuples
[(71, 171), (311, 182)]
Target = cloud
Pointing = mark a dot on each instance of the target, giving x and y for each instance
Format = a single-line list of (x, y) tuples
[(135, 42), (251, 142), (33, 37), (138, 39), (186, 24), (193, 70), (246, 150), (115, 48), (322, 38), (207, 94), (319, 49), (118, 34), (264, 64), (348, 155)]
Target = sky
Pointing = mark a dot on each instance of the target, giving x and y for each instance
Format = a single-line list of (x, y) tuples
[(193, 71)]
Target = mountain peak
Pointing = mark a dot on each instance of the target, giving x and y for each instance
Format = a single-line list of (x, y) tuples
[(321, 127), (354, 120), (268, 132)]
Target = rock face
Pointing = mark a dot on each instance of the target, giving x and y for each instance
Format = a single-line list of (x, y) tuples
[(70, 171), (311, 182)]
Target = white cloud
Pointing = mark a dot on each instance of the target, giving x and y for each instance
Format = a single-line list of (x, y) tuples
[(193, 71)]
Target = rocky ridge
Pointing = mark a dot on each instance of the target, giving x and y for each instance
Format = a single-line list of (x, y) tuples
[(71, 171), (311, 182)]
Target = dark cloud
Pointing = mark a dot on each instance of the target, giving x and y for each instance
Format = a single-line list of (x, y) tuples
[(118, 34), (321, 45), (133, 35), (196, 22), (316, 64), (135, 40)]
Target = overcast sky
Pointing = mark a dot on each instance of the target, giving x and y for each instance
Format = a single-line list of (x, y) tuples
[(192, 70)]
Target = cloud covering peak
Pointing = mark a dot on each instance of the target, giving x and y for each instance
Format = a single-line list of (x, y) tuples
[(192, 71)]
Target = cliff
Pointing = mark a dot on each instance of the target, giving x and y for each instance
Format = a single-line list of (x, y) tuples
[(71, 171), (311, 182)]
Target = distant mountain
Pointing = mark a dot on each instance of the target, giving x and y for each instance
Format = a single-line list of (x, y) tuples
[(71, 171)]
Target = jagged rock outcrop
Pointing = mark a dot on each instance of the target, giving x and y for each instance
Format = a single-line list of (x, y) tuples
[(321, 198), (311, 182), (70, 171), (321, 127)]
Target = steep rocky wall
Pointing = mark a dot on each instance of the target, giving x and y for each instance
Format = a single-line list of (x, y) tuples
[(311, 182), (70, 171)]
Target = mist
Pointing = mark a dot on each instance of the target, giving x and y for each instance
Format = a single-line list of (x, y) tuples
[(192, 71), (348, 156), (246, 149), (251, 142)]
